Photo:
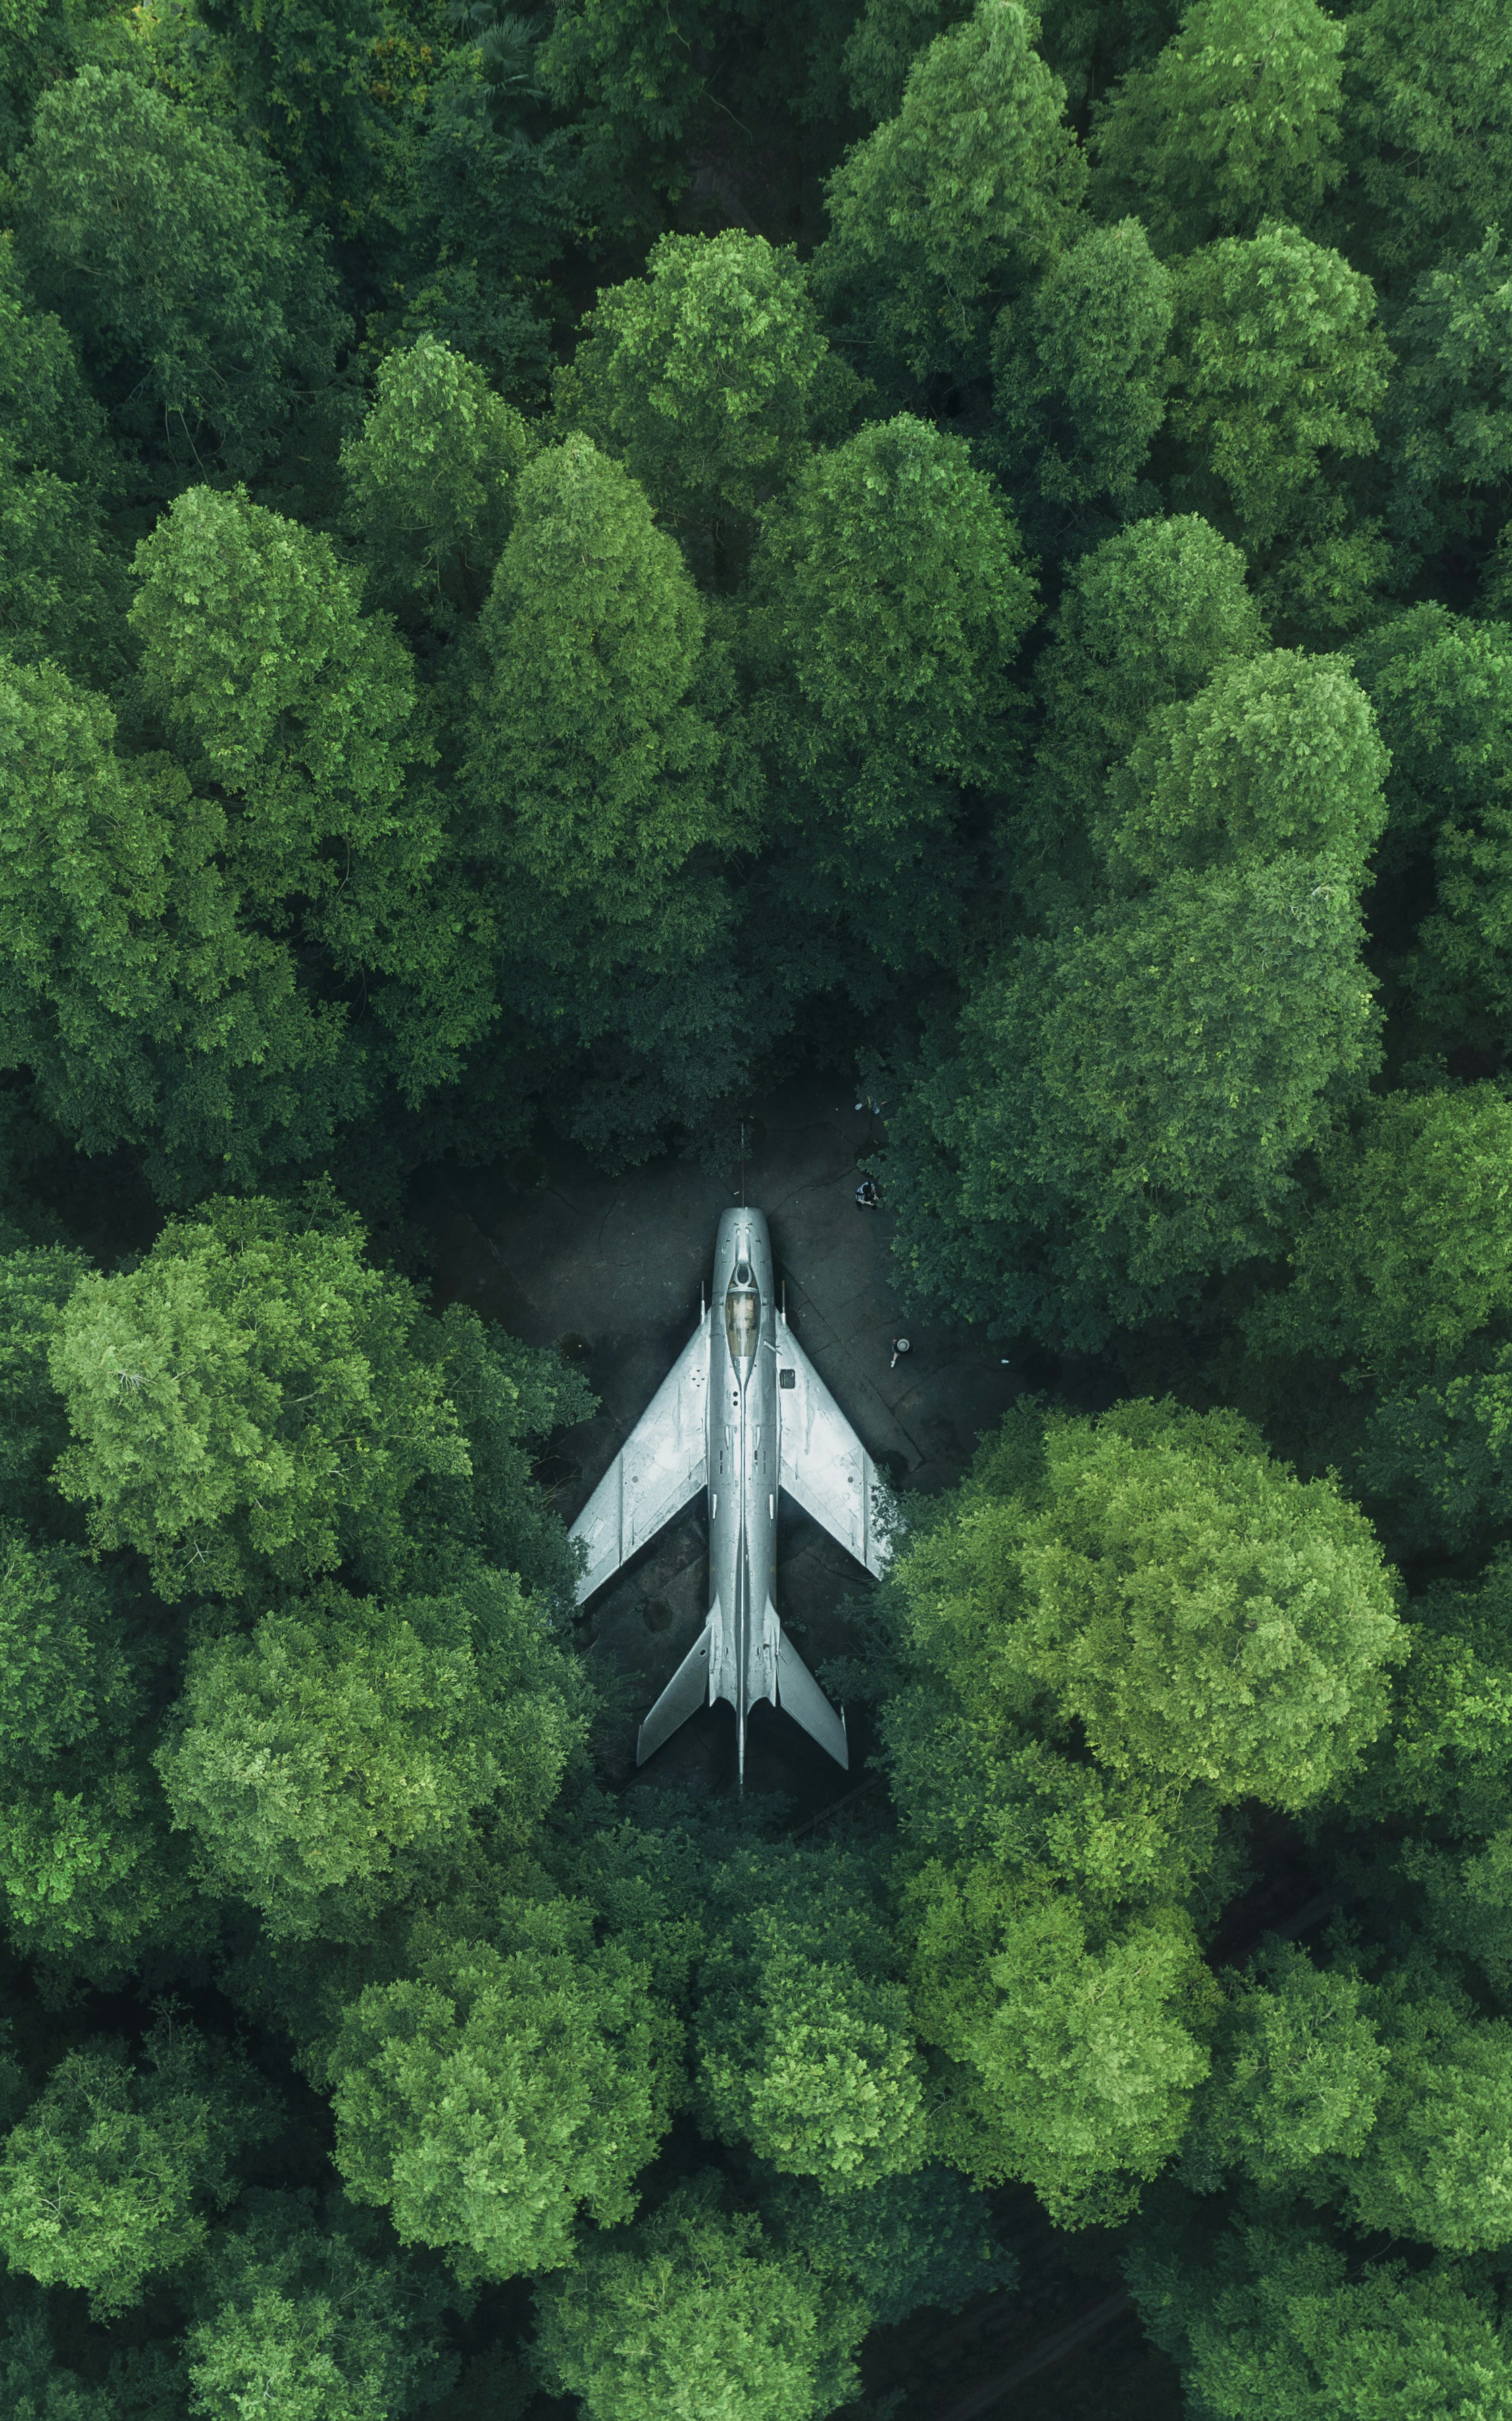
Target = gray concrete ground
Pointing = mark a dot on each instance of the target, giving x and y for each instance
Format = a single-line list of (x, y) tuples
[(555, 1250)]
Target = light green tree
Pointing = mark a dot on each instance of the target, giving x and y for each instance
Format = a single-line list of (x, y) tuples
[(948, 209), (1235, 121), (1111, 1630), (804, 2047), (504, 2085), (247, 1405), (696, 2316), (348, 1745), (104, 2184)]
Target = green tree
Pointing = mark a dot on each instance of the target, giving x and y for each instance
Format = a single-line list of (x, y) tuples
[(1203, 1616), (1406, 1256), (303, 77), (1278, 371), (506, 2083), (924, 2239), (1428, 131), (803, 2046), (105, 2184), (315, 742), (1119, 1110), (1277, 754), (247, 1405), (705, 377), (1297, 2077), (35, 1283), (202, 307), (144, 1009), (1235, 121), (349, 1746), (1436, 2165), (1080, 372), (694, 2315), (948, 209), (429, 483), (1448, 432), (84, 1867), (294, 2312), (1145, 619), (1111, 1630), (1272, 2318), (591, 760), (889, 597), (600, 822)]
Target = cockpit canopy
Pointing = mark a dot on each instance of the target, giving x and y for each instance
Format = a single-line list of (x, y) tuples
[(742, 1314)]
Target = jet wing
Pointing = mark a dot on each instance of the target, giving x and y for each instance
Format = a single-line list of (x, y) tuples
[(825, 1468), (661, 1465)]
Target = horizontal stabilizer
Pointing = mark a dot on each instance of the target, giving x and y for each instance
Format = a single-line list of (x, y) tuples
[(683, 1696), (800, 1695)]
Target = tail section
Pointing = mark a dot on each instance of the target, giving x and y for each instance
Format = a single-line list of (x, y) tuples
[(687, 1690), (800, 1695)]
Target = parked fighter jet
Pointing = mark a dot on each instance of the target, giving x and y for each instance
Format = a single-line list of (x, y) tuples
[(742, 1412)]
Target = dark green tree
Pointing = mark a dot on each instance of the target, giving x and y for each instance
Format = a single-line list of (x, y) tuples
[(202, 307), (1235, 121), (1079, 372), (706, 379), (952, 206), (293, 2310), (1428, 131), (429, 484), (1278, 371), (889, 599)]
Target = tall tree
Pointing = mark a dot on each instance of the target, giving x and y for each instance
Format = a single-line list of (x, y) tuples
[(1278, 370), (247, 1405), (1235, 121), (502, 2086), (950, 208), (707, 378), (1114, 1630), (202, 307), (429, 483), (888, 599), (1079, 372)]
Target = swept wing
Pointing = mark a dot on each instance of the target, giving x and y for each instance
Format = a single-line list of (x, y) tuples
[(825, 1468), (661, 1466)]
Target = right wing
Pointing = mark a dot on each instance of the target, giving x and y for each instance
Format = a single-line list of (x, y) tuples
[(825, 1468), (660, 1468)]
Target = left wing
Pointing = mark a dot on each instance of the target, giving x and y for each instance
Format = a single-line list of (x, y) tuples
[(825, 1468), (660, 1468)]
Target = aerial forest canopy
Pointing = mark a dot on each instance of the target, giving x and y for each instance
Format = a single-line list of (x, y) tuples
[(557, 566)]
